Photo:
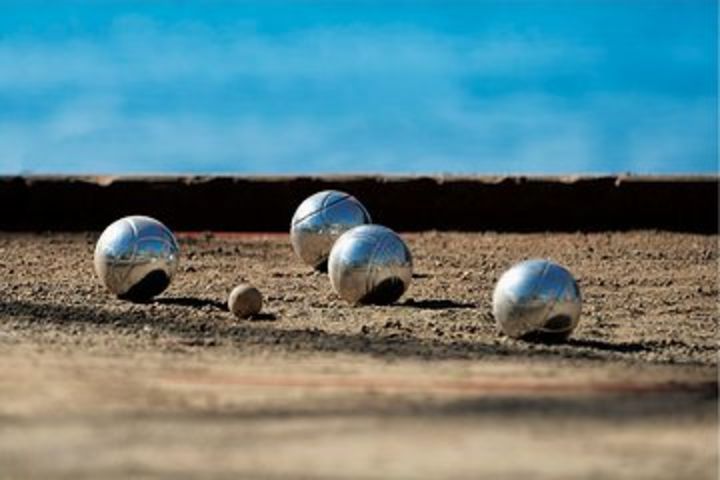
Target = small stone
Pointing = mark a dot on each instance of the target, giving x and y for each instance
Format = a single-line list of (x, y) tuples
[(245, 301)]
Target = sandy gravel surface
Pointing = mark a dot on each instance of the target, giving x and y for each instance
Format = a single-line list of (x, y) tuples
[(94, 387)]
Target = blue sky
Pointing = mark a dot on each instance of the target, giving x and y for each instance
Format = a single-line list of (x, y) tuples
[(563, 86)]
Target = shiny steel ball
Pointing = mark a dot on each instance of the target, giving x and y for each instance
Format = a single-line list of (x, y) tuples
[(370, 264), (320, 220), (136, 257), (537, 300)]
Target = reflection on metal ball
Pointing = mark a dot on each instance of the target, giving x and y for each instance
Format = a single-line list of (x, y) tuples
[(320, 220), (370, 264), (537, 300), (136, 257)]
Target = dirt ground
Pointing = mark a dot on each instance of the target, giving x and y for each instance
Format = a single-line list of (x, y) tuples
[(94, 387)]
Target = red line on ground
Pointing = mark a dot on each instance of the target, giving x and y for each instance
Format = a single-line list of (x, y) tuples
[(488, 386), (222, 234)]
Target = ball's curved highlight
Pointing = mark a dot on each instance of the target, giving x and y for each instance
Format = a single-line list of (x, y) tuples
[(370, 264), (320, 220), (537, 300), (136, 257)]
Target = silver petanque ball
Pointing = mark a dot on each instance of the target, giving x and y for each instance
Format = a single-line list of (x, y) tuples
[(320, 220), (370, 264), (136, 257), (537, 300)]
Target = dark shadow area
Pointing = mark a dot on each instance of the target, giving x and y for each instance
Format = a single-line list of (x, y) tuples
[(627, 406), (311, 339), (192, 302), (515, 203), (421, 275), (558, 323), (263, 317), (384, 292), (435, 304), (621, 347), (152, 284), (548, 338), (697, 400)]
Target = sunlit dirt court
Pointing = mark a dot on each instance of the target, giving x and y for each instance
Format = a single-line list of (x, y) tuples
[(95, 387)]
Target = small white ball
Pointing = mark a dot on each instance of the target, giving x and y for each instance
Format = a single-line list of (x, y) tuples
[(537, 299), (320, 220), (370, 264), (245, 301), (136, 257)]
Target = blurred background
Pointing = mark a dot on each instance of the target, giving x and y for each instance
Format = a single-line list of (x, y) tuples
[(299, 87)]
